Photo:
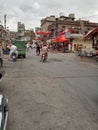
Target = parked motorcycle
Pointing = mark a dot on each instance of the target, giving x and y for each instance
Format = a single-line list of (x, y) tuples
[(13, 56)]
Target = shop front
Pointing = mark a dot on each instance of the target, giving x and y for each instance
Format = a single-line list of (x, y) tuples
[(93, 37)]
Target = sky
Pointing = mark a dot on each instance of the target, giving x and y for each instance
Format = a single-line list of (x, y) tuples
[(30, 12)]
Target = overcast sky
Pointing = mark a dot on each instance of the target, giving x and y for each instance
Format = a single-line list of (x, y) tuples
[(30, 12)]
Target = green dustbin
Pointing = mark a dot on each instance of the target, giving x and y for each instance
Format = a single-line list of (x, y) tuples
[(21, 46)]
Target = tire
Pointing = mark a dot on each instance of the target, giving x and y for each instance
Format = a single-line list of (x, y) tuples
[(43, 59), (24, 56), (13, 58)]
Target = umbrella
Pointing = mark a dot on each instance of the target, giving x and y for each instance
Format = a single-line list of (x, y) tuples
[(62, 38)]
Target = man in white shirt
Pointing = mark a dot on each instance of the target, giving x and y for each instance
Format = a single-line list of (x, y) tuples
[(13, 49)]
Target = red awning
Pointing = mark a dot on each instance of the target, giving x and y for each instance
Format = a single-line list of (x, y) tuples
[(44, 33), (62, 38), (91, 33)]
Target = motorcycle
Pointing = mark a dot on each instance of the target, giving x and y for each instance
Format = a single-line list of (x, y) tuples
[(44, 57), (13, 56)]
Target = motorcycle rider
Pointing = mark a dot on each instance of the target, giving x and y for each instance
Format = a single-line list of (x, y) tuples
[(44, 51), (13, 49)]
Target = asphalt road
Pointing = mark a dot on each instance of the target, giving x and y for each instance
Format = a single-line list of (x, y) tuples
[(61, 94)]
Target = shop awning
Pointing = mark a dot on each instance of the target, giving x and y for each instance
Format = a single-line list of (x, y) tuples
[(62, 38), (91, 33), (44, 33)]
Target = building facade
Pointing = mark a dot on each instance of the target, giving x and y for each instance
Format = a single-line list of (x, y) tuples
[(63, 22), (20, 30)]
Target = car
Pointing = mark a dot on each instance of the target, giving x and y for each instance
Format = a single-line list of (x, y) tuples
[(3, 112)]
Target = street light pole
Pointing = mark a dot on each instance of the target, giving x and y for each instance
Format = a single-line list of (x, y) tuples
[(5, 21), (56, 30), (56, 27)]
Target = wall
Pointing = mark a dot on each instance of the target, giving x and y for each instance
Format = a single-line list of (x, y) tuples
[(87, 44)]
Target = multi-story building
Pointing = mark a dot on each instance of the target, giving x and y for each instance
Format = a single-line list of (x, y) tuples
[(63, 22), (13, 35), (20, 30), (28, 35), (23, 34), (4, 37), (1, 33)]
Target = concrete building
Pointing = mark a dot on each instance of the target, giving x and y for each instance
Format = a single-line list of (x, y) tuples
[(1, 31), (4, 37), (23, 34), (28, 35), (67, 22), (20, 30), (13, 35)]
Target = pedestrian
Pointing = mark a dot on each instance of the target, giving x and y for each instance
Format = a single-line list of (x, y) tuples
[(1, 51), (37, 49), (27, 46), (1, 56)]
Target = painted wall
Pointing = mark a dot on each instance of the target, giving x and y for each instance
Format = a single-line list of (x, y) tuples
[(86, 43)]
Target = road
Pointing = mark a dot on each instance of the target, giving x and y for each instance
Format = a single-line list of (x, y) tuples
[(61, 94)]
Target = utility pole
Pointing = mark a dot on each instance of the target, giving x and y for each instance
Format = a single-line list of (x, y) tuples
[(56, 27), (82, 26), (5, 21)]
